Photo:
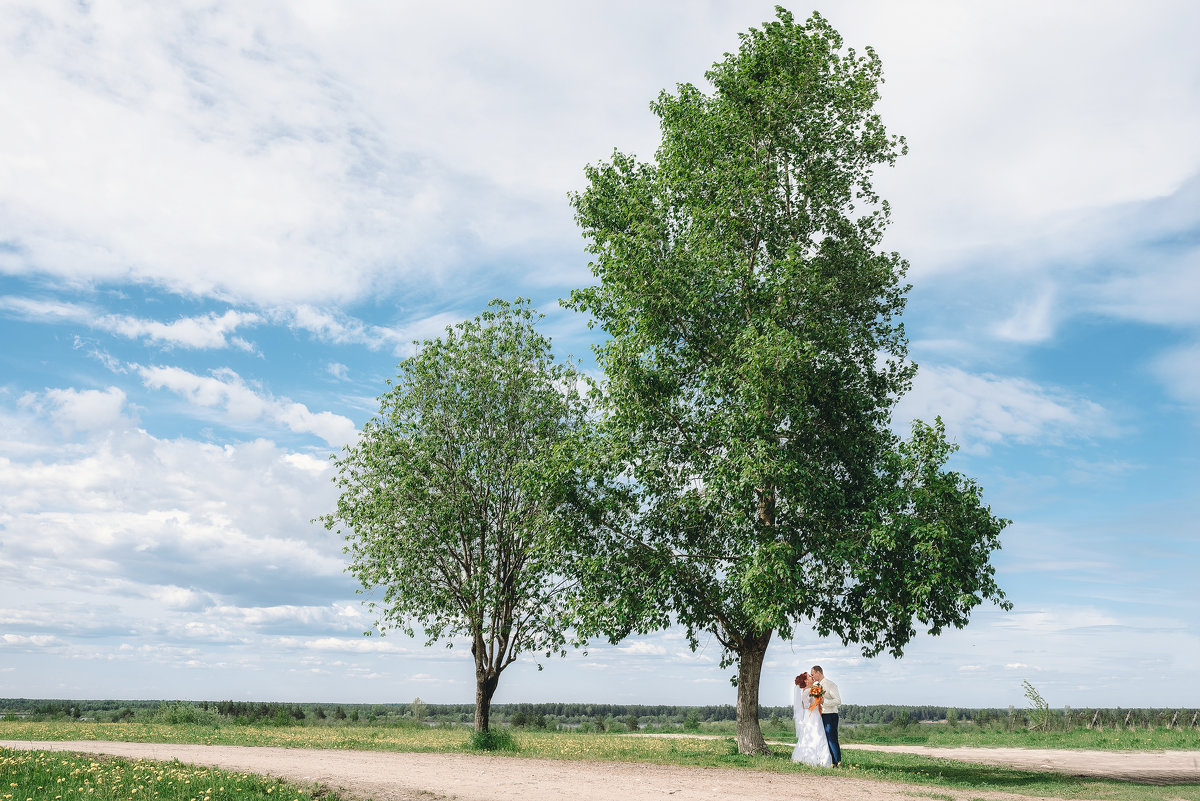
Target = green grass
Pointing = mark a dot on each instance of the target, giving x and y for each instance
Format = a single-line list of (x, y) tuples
[(927, 775), (966, 776), (943, 736), (59, 776)]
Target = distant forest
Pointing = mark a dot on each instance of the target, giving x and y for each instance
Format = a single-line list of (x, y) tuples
[(551, 715)]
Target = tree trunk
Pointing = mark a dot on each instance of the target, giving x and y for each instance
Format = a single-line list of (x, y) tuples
[(485, 688), (750, 661)]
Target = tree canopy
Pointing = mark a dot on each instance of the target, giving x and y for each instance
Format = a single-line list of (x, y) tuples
[(454, 497), (754, 357)]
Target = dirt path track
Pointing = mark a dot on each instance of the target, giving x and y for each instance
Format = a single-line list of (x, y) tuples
[(389, 776)]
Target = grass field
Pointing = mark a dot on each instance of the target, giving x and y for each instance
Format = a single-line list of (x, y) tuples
[(720, 753), (941, 735), (45, 776)]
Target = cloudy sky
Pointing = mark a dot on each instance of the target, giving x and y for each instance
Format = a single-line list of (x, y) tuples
[(222, 224)]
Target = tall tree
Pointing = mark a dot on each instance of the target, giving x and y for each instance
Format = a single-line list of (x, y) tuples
[(456, 493), (754, 360)]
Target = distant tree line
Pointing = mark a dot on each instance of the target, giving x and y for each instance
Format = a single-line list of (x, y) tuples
[(588, 716)]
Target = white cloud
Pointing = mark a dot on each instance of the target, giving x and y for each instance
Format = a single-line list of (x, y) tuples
[(81, 410), (985, 409), (1032, 321), (204, 331), (248, 152), (1075, 654), (340, 329), (999, 153), (225, 390), (209, 331), (303, 461), (44, 310), (362, 645), (338, 615), (1179, 371), (36, 641), (173, 597), (174, 523), (1159, 289)]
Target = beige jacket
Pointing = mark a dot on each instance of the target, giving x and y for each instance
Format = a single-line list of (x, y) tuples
[(832, 699)]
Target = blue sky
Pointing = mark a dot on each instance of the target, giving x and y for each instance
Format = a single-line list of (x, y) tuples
[(222, 224)]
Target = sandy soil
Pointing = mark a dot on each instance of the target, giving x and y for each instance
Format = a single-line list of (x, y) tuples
[(386, 776)]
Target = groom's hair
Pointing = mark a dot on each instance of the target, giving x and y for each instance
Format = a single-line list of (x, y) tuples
[(817, 669)]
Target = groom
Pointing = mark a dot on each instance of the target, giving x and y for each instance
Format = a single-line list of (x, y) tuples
[(829, 712)]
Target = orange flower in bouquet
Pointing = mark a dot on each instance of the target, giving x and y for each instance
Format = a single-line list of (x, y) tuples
[(816, 693)]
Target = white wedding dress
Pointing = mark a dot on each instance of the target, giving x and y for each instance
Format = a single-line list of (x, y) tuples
[(811, 746)]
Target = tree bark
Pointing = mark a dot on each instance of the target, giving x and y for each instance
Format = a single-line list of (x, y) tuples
[(485, 687), (751, 654)]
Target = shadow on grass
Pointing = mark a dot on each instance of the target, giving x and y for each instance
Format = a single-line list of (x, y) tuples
[(953, 773)]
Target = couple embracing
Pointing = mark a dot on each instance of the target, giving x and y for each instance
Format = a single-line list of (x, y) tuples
[(816, 712)]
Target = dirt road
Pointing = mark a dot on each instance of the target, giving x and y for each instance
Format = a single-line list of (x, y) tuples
[(387, 776)]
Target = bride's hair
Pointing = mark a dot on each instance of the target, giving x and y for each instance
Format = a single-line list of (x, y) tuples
[(802, 679)]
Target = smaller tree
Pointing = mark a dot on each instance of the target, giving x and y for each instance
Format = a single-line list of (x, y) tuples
[(418, 709), (459, 489)]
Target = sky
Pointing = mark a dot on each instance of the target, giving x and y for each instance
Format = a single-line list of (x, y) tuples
[(222, 225)]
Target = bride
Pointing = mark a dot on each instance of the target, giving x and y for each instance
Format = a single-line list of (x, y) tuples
[(811, 746)]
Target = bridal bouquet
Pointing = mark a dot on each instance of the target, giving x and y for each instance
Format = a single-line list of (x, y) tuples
[(816, 693)]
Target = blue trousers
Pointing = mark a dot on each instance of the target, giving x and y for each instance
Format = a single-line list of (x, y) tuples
[(835, 749)]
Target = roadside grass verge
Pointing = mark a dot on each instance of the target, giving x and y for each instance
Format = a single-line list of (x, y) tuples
[(58, 776), (941, 735), (722, 753)]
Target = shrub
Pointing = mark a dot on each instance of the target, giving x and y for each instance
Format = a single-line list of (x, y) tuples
[(179, 712), (692, 721), (1040, 715), (631, 723), (492, 740)]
